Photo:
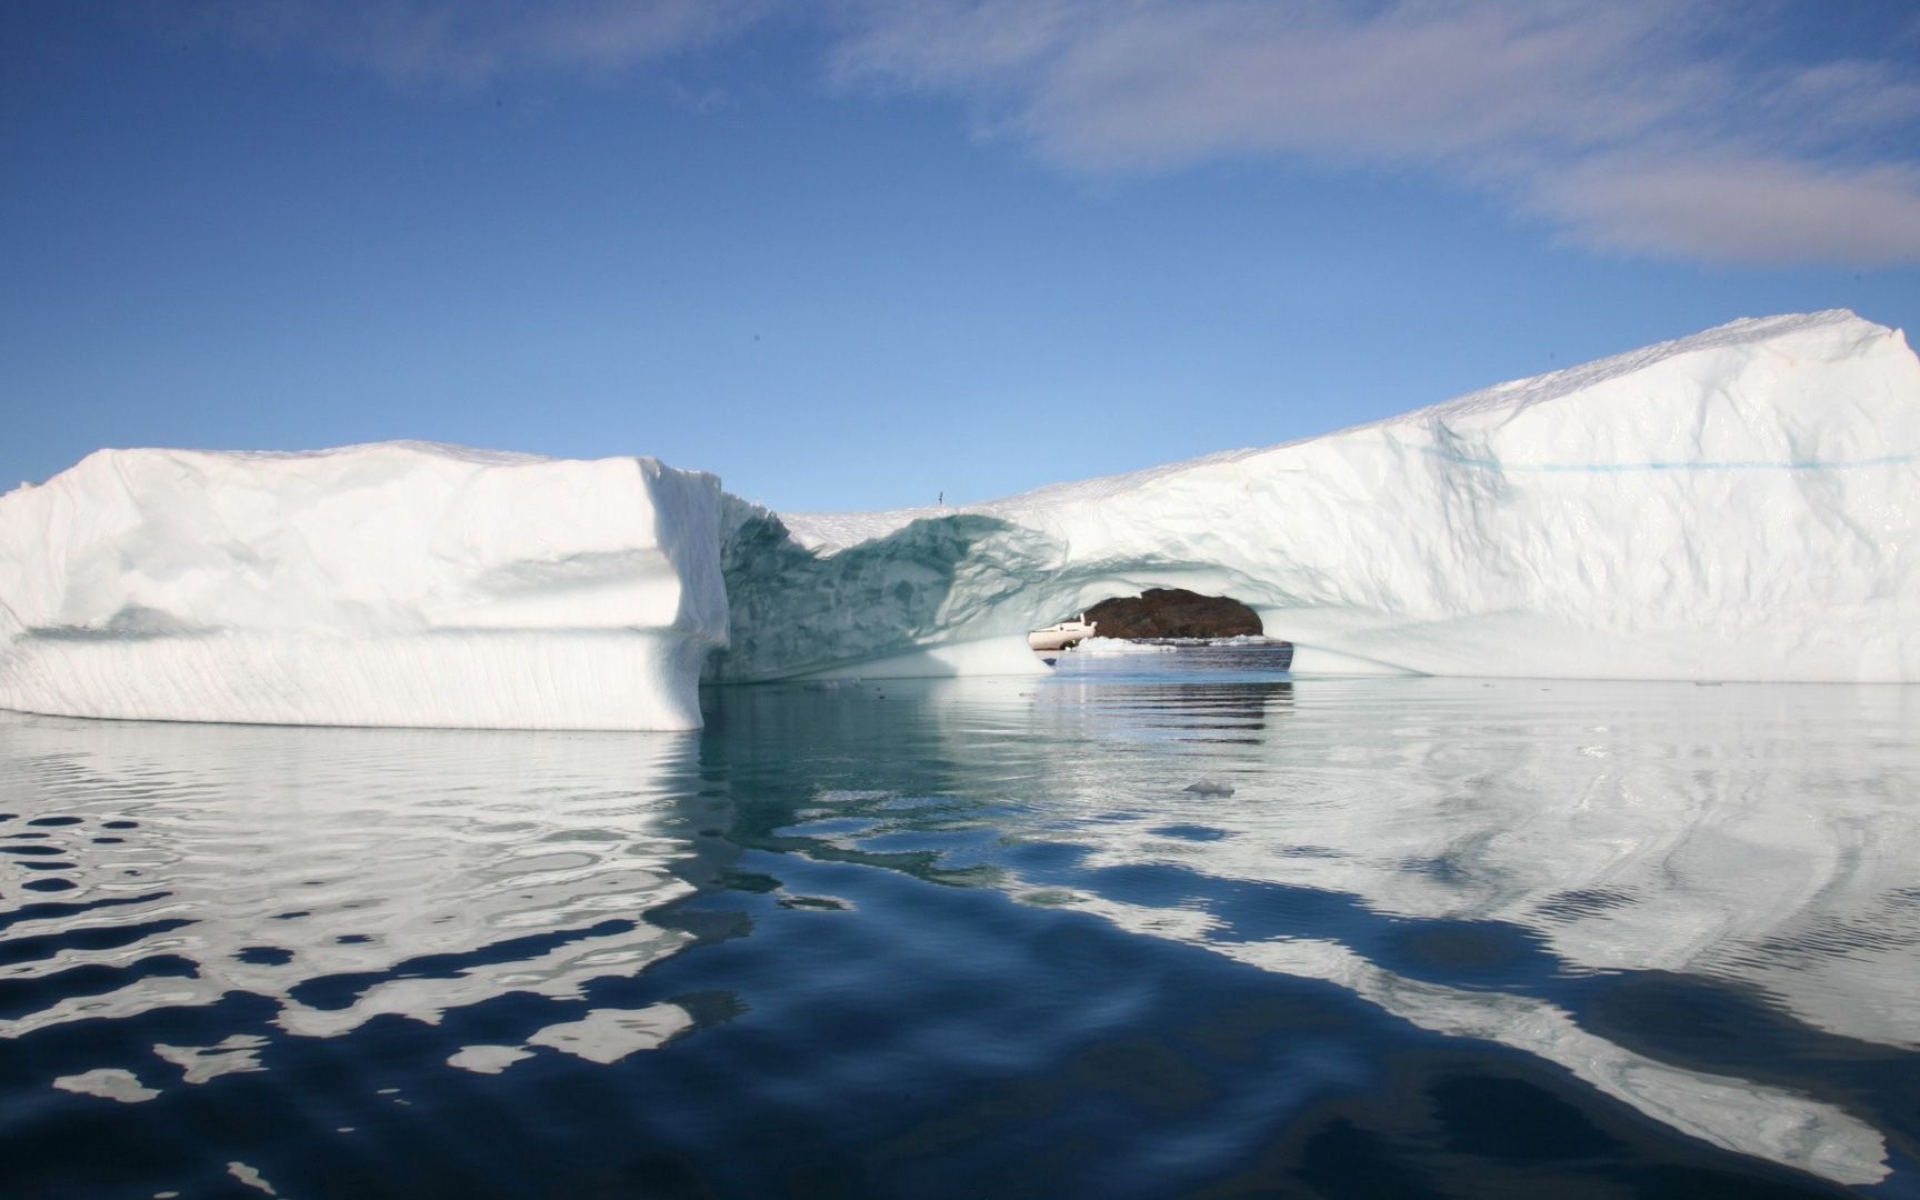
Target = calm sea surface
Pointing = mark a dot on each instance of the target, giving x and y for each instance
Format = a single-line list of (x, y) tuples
[(980, 939)]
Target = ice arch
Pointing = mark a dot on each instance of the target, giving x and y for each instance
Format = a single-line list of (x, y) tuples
[(1739, 504)]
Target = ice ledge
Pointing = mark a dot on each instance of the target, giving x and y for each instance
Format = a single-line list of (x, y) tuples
[(399, 583), (452, 680)]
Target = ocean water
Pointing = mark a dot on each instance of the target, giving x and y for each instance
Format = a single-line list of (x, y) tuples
[(983, 938)]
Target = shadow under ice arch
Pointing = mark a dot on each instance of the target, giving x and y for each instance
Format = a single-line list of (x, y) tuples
[(938, 596)]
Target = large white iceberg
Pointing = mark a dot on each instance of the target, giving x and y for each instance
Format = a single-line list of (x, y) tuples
[(1740, 504), (392, 584)]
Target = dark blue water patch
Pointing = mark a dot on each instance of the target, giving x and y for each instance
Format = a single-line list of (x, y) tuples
[(35, 849), (103, 937), (120, 825), (55, 821), (924, 1085), (334, 992), (1466, 954), (1514, 1120), (50, 885), (1453, 1122), (28, 913), (749, 881), (264, 956), (1000, 1051), (1043, 860), (1580, 903), (1720, 1028), (61, 865), (163, 1143), (1191, 833), (21, 997), (1154, 885)]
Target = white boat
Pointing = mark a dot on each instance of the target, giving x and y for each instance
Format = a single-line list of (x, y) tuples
[(1063, 635)]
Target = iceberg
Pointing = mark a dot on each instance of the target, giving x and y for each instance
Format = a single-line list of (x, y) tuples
[(1735, 505), (397, 584)]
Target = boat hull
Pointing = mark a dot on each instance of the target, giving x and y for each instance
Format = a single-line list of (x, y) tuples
[(1060, 637)]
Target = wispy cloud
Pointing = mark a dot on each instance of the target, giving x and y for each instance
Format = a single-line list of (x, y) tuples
[(1658, 128), (1681, 128), (1736, 209), (1145, 86)]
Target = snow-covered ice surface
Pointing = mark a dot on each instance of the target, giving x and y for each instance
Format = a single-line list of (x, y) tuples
[(1739, 504), (390, 584)]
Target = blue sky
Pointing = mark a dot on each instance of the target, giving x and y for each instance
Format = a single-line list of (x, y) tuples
[(854, 254)]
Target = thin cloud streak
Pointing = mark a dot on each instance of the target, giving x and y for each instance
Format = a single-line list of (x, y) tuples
[(1736, 210), (1632, 125), (1153, 86)]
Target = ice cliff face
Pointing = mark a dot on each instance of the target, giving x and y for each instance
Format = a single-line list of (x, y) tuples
[(1740, 504), (391, 584)]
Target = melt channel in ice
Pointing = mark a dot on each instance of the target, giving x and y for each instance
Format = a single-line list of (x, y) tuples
[(1740, 504), (390, 584)]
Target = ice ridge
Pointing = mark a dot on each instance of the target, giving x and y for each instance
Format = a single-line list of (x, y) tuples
[(1738, 504)]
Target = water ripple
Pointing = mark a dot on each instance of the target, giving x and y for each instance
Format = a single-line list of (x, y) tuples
[(957, 941)]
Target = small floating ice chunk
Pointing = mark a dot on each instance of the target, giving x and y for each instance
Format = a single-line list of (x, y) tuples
[(1209, 787), (608, 1035), (236, 1054), (488, 1060), (251, 1177), (108, 1083)]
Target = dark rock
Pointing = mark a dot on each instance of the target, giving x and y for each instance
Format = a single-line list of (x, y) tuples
[(1173, 613)]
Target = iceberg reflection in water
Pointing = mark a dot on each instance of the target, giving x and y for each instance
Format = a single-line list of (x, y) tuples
[(858, 934), (344, 874)]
